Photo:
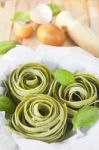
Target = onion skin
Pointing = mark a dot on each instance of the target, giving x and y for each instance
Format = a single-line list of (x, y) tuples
[(51, 35), (22, 31)]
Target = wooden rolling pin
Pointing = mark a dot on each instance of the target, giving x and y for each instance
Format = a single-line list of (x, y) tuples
[(81, 34)]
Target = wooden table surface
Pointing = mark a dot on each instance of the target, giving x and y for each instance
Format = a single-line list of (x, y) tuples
[(86, 11)]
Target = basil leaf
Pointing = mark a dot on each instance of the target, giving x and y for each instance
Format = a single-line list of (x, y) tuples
[(55, 9), (6, 104), (22, 16), (64, 77), (85, 117), (5, 46)]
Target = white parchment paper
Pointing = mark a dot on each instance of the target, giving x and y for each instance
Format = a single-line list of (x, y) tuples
[(74, 59)]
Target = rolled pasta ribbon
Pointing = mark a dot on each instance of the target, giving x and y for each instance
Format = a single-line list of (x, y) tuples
[(83, 92), (40, 117), (31, 78)]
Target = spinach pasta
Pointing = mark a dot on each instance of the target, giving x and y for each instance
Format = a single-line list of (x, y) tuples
[(31, 78), (46, 106), (76, 95), (40, 117)]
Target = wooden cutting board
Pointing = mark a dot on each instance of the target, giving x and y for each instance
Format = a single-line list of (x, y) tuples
[(86, 11)]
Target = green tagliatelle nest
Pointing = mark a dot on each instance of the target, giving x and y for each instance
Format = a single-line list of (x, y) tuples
[(40, 117), (45, 105), (32, 78), (76, 95)]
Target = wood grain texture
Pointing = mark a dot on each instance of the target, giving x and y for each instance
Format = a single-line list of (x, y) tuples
[(86, 11), (93, 7), (6, 14), (78, 9)]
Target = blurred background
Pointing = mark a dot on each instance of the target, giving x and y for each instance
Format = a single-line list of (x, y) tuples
[(86, 11)]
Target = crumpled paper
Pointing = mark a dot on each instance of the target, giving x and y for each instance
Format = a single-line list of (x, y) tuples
[(74, 59), (6, 140)]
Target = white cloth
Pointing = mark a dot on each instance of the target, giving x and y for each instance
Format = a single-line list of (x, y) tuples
[(72, 58)]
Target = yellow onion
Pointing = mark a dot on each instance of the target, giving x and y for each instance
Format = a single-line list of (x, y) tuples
[(51, 35), (22, 29)]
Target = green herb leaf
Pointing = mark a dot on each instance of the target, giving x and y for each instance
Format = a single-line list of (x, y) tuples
[(64, 77), (5, 46), (6, 104), (55, 9), (85, 117), (22, 16)]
